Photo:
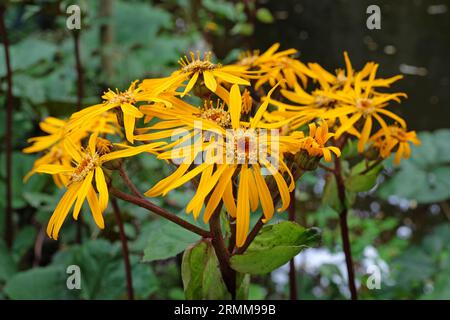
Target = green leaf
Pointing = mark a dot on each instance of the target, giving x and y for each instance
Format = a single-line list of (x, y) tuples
[(358, 182), (330, 195), (201, 274), (166, 239), (425, 177), (7, 265), (103, 272), (39, 283), (23, 241), (264, 15), (245, 29), (274, 246)]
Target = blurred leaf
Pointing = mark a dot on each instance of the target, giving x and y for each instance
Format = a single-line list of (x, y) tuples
[(166, 239), (425, 177), (245, 29), (274, 246), (358, 182), (23, 241), (201, 274), (7, 265), (330, 194), (103, 272), (21, 57), (264, 15), (46, 283)]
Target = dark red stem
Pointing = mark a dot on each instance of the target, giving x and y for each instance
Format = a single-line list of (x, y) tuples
[(344, 230), (159, 211), (125, 253)]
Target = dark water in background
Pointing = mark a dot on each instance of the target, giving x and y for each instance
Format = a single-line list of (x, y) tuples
[(414, 38)]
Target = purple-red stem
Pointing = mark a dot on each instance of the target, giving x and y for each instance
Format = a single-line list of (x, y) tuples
[(344, 229), (125, 253)]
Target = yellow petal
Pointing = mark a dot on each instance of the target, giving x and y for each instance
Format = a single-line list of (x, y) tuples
[(218, 193), (129, 122), (53, 169), (210, 82), (264, 193), (228, 199), (235, 106), (365, 133), (61, 211), (230, 78), (81, 194), (190, 84), (102, 188), (163, 184), (243, 209), (95, 208)]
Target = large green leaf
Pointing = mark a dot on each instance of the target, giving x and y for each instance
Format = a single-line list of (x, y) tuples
[(201, 274), (274, 246), (358, 181), (425, 177), (39, 283), (101, 270), (166, 239), (7, 265)]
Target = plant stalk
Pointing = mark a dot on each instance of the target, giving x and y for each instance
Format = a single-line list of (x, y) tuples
[(125, 253), (344, 230), (228, 274), (140, 201)]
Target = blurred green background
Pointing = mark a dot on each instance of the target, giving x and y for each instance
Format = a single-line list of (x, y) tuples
[(401, 226)]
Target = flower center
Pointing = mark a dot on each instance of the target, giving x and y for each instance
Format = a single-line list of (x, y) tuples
[(87, 164), (365, 106), (195, 63), (242, 147), (322, 101), (216, 114)]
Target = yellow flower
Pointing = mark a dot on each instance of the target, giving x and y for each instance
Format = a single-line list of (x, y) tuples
[(365, 104), (221, 167), (53, 143), (55, 133), (343, 79), (274, 67), (397, 141), (315, 143), (56, 155), (194, 66), (125, 101), (80, 178)]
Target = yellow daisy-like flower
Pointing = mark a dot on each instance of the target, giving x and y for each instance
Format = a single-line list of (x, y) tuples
[(274, 67), (194, 66), (315, 143), (244, 161), (80, 177), (363, 103), (123, 102), (397, 141), (53, 143)]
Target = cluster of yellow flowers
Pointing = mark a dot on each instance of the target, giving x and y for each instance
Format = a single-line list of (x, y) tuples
[(230, 129)]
